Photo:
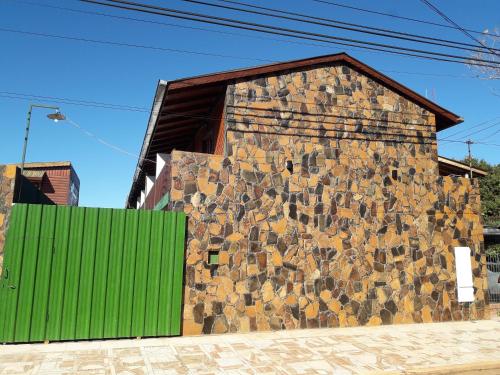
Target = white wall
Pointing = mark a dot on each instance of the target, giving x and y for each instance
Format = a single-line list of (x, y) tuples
[(150, 181), (161, 160)]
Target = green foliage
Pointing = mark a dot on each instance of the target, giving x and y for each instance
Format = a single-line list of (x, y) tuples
[(493, 249), (479, 163), (490, 190)]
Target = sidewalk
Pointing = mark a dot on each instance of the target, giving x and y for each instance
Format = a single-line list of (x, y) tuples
[(463, 347)]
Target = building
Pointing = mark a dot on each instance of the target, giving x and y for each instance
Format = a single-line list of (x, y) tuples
[(57, 180), (41, 183), (450, 167), (314, 199)]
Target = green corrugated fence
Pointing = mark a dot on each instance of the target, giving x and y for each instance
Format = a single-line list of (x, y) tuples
[(73, 273)]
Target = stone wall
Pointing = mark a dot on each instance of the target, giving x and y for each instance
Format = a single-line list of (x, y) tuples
[(296, 115), (7, 186), (326, 211), (323, 253)]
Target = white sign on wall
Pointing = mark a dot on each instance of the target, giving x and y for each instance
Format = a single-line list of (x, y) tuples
[(465, 286)]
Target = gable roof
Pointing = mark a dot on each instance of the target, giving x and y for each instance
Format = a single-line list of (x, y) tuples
[(447, 117), (180, 104)]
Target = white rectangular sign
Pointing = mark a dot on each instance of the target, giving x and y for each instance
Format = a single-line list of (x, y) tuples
[(463, 267)]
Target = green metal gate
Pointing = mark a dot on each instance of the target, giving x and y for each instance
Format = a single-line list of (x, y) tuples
[(74, 273)]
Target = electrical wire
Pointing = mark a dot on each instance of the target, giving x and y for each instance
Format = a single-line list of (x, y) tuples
[(124, 18), (237, 95), (457, 26), (260, 37), (105, 143), (337, 130), (138, 7), (300, 34), (132, 45), (396, 16), (212, 54), (121, 107), (469, 128), (479, 131), (489, 136), (340, 25)]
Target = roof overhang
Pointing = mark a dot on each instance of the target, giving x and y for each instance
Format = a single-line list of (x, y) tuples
[(155, 110), (47, 164), (34, 175), (458, 168), (444, 118)]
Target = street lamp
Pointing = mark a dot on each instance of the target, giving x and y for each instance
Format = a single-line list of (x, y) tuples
[(56, 116)]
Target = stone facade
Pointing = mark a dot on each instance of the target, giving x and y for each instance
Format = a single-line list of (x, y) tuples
[(376, 257), (326, 211), (7, 186)]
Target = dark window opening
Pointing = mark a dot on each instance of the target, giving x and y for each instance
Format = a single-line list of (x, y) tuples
[(207, 145)]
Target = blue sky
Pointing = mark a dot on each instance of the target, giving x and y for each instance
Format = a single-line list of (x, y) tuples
[(61, 68)]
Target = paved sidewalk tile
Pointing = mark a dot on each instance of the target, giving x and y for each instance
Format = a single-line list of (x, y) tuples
[(314, 351)]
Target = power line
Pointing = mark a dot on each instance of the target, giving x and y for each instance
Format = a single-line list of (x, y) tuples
[(211, 54), (238, 96), (105, 143), (104, 106), (487, 144), (120, 44), (464, 142), (480, 131), (394, 16), (80, 101), (174, 25), (201, 117), (300, 34), (469, 128), (124, 18), (339, 24), (174, 114), (489, 136), (319, 129), (457, 26), (70, 102)]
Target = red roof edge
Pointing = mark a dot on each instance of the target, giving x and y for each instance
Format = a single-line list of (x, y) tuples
[(444, 118)]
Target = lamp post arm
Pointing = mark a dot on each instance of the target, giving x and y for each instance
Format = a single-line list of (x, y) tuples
[(44, 106), (28, 123)]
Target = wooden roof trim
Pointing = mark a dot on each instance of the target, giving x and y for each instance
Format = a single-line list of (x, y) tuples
[(48, 164), (460, 165), (290, 65)]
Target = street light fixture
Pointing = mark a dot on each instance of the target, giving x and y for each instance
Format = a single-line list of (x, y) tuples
[(56, 116)]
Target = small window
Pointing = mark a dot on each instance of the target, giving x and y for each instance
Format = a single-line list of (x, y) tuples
[(213, 257)]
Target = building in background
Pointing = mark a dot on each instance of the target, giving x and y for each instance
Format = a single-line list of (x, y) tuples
[(57, 180), (451, 167)]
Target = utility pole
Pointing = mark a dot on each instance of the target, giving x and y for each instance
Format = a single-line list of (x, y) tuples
[(469, 142)]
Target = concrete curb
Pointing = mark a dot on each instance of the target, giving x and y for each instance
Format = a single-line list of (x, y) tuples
[(483, 368)]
